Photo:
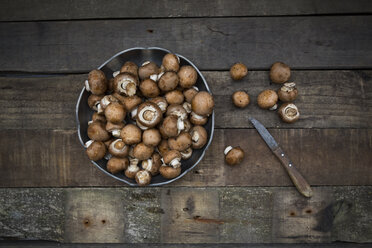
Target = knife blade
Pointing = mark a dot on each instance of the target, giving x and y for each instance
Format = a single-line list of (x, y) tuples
[(298, 180)]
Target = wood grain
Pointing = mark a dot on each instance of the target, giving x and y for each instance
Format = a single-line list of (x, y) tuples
[(330, 42), (187, 215), (327, 99), (19, 10), (42, 158)]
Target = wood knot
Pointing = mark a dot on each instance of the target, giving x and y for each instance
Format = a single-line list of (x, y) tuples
[(103, 221), (86, 222), (292, 213), (309, 211)]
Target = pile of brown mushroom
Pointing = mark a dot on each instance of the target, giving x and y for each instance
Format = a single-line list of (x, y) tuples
[(147, 119)]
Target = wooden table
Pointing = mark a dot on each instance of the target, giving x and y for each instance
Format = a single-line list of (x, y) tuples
[(50, 192)]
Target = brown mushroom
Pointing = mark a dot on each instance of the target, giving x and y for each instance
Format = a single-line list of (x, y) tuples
[(96, 150), (142, 151), (110, 85), (96, 131), (152, 164), (115, 165), (125, 84), (177, 111), (181, 142), (98, 117), (186, 154), (115, 112), (106, 100), (202, 103), (129, 67), (147, 69), (114, 128), (96, 83), (199, 137), (151, 137), (171, 62), (190, 93), (288, 92), (169, 172), (240, 99), (233, 156), (149, 88), (163, 147), (187, 107), (238, 71), (161, 102), (94, 101), (172, 158), (198, 119), (188, 76), (174, 97), (149, 114), (289, 113), (280, 73), (143, 178), (132, 169), (267, 99), (118, 148), (169, 126), (131, 134), (168, 81)]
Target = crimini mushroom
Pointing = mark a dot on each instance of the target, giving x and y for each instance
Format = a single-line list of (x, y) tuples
[(199, 137), (131, 102), (169, 126), (142, 127), (142, 151), (152, 164), (169, 172), (118, 148), (187, 107), (115, 112), (149, 88), (288, 92), (106, 100), (161, 102), (129, 67), (115, 165), (289, 113), (190, 93), (240, 99), (171, 62), (188, 76), (96, 150), (96, 83), (168, 81), (96, 131), (267, 99), (174, 97), (233, 156), (238, 71), (163, 147), (131, 134), (181, 142), (151, 137), (98, 117), (143, 178), (114, 128), (110, 85), (132, 169), (280, 73), (149, 114), (198, 119), (202, 103), (125, 84), (94, 101), (172, 158), (186, 154), (147, 69), (177, 111)]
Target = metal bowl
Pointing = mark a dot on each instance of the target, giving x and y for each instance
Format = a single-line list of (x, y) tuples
[(139, 55)]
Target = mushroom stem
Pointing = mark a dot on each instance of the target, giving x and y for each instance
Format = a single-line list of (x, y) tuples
[(227, 149), (115, 73), (99, 108), (195, 137), (108, 156), (145, 63), (274, 107), (87, 85), (133, 113), (180, 125), (175, 163), (116, 133), (88, 143)]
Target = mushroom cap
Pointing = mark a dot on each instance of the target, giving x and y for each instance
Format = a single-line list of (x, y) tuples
[(118, 148), (177, 110), (97, 82), (169, 126), (188, 76), (143, 178), (110, 85), (280, 73), (186, 154), (98, 117), (149, 114), (129, 67), (131, 102), (189, 94), (147, 69), (234, 156), (96, 150), (153, 164), (149, 88), (238, 71), (288, 112), (125, 84), (115, 112), (181, 142), (267, 99), (198, 119), (151, 137), (161, 102), (114, 126), (142, 151), (168, 81), (94, 100), (199, 137), (169, 172), (240, 99), (163, 147), (288, 92), (131, 134), (115, 165), (171, 62), (202, 103), (96, 131), (174, 97), (170, 155), (132, 169)]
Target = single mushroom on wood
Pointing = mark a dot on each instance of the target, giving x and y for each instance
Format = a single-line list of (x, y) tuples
[(238, 71), (280, 73), (267, 99), (289, 113), (233, 155), (288, 92)]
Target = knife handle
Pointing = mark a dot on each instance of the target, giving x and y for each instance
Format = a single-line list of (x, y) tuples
[(298, 180)]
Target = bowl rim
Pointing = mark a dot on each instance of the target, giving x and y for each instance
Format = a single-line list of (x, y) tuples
[(205, 148)]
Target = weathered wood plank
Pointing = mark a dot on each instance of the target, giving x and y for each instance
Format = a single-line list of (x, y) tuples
[(327, 99), (187, 215), (41, 158), (325, 42), (19, 10)]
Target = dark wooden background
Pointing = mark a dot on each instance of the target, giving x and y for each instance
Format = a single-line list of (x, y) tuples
[(51, 193)]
